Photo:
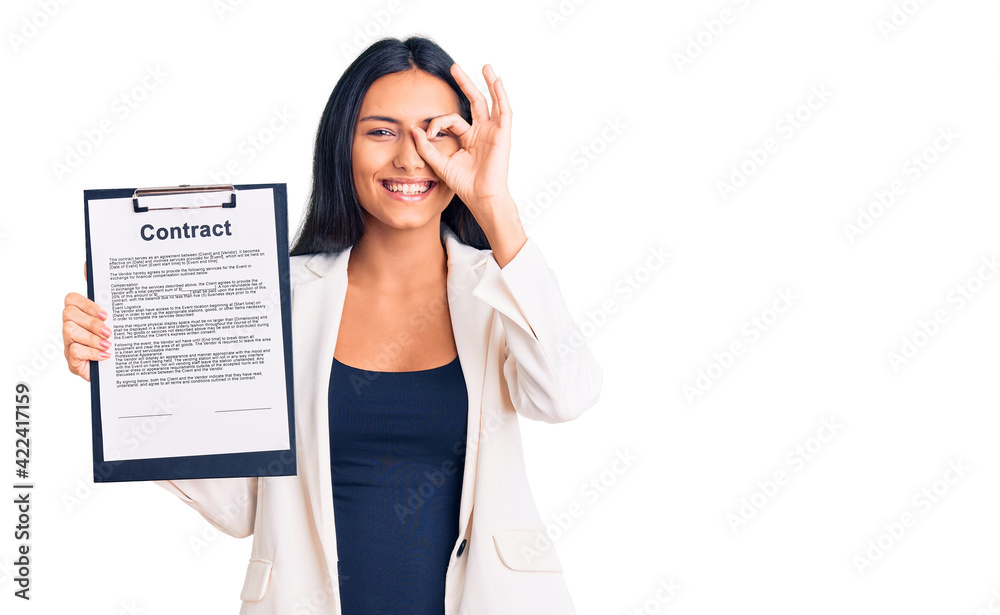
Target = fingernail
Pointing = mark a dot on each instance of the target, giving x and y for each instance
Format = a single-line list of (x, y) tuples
[(105, 344), (102, 315), (106, 331), (105, 355)]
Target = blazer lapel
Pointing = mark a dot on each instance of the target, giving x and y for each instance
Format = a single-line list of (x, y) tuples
[(317, 308), (470, 324)]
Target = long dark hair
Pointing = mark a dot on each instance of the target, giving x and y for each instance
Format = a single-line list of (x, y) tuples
[(334, 219)]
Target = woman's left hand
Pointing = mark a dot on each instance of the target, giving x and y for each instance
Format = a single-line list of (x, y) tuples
[(477, 172)]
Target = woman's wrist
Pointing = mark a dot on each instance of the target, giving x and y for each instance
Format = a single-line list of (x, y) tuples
[(502, 225)]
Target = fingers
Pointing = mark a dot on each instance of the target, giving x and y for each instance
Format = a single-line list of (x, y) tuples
[(79, 355), (479, 111), (501, 105), (428, 152), (86, 314), (85, 334), (86, 305), (491, 79), (78, 358), (78, 352), (83, 329), (501, 110), (452, 121), (505, 112)]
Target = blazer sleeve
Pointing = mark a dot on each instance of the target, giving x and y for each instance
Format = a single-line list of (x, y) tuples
[(551, 374), (229, 504)]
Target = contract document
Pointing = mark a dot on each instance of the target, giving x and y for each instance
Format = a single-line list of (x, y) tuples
[(195, 284)]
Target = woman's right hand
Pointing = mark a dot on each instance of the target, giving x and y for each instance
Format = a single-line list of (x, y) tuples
[(85, 334)]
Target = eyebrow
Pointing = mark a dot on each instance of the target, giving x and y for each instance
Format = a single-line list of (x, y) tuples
[(382, 118)]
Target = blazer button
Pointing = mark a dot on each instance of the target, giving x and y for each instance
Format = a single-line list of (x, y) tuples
[(461, 548)]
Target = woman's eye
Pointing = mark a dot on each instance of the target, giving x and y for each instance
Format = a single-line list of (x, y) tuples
[(441, 134), (380, 132)]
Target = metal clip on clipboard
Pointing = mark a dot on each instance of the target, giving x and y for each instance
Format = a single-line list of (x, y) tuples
[(184, 197)]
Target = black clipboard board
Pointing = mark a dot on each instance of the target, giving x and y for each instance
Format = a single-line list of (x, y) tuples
[(246, 464)]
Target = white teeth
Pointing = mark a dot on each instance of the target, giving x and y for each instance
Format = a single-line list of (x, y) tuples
[(408, 188)]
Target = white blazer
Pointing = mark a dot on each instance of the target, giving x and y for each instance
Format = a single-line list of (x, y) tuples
[(521, 353)]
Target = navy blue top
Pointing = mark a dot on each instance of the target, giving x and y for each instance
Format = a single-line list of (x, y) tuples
[(397, 456)]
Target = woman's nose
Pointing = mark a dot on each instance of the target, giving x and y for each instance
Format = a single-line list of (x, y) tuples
[(407, 157)]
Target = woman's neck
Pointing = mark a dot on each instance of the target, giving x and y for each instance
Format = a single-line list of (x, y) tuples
[(390, 261)]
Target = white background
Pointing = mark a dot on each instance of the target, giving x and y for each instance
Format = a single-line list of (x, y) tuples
[(684, 126)]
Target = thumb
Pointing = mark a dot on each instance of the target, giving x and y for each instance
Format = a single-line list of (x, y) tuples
[(428, 152)]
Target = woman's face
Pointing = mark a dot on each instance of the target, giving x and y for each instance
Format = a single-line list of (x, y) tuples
[(394, 184)]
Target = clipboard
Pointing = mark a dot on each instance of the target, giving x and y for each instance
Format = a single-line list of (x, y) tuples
[(279, 461)]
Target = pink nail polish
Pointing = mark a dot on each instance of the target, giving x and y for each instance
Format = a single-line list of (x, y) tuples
[(106, 331), (105, 355), (105, 344), (102, 315)]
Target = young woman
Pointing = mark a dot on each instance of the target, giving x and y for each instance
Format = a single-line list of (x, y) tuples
[(424, 321)]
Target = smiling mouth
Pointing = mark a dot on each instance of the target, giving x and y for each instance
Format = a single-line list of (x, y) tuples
[(407, 188)]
